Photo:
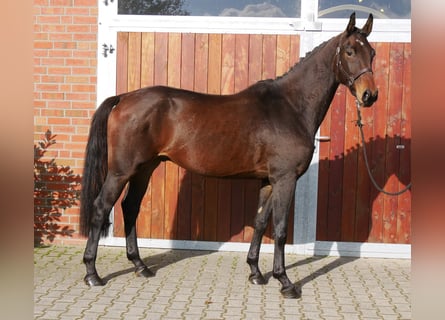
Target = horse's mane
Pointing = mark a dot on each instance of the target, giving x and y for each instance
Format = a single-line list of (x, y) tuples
[(304, 59), (268, 85)]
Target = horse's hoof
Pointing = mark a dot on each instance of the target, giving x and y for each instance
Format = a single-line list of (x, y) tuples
[(257, 278), (291, 292), (144, 272), (93, 280)]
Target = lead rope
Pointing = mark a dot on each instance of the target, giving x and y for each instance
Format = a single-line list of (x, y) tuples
[(360, 126)]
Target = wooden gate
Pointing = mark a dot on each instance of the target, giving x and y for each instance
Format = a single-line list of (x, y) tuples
[(350, 208), (180, 205)]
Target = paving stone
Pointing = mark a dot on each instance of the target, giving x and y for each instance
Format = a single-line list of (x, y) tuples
[(312, 316), (214, 285)]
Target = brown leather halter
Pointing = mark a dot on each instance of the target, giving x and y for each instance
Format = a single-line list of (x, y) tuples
[(350, 78)]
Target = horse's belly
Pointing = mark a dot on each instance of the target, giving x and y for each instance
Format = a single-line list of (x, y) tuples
[(220, 160)]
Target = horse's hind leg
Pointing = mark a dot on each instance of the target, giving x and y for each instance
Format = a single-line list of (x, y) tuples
[(108, 195), (261, 220), (130, 208)]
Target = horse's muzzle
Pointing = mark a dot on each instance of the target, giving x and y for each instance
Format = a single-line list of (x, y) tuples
[(369, 97)]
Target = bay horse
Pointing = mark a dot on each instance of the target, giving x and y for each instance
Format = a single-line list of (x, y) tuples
[(264, 132)]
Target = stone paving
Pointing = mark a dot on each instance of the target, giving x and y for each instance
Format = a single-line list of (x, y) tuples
[(213, 285)]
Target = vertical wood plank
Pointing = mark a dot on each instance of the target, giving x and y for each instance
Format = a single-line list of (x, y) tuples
[(171, 169), (211, 184), (223, 186), (134, 66), (241, 62), (237, 211), (379, 146), (201, 62), (393, 129), (363, 220), (143, 223), (198, 207), (363, 201), (255, 58), (122, 62), (269, 56), (184, 209), (158, 177), (404, 200), (350, 161), (364, 214), (158, 202), (147, 59), (236, 186), (188, 61), (210, 209), (214, 65), (283, 51), (254, 52), (336, 165), (174, 60), (228, 82), (134, 61), (323, 175), (171, 200), (228, 64), (294, 53), (224, 210), (161, 58), (121, 87), (198, 182), (255, 73), (250, 188)]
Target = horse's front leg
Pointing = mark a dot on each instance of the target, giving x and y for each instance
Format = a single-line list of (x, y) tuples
[(261, 220), (282, 195)]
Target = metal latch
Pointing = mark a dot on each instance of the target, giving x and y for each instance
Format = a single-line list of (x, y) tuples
[(323, 138)]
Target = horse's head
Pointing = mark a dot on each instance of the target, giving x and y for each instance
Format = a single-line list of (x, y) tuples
[(353, 62)]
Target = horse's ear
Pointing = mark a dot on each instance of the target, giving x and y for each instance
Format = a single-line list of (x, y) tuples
[(351, 25), (367, 28)]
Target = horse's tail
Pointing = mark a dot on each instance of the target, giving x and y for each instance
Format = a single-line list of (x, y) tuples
[(96, 166)]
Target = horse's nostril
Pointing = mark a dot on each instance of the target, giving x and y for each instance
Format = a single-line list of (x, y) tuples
[(366, 95)]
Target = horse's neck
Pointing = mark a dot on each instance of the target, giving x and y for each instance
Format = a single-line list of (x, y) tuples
[(312, 85)]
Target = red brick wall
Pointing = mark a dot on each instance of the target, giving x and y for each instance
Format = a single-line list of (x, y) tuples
[(65, 49)]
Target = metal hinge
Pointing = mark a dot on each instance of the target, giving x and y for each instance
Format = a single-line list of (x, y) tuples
[(107, 49)]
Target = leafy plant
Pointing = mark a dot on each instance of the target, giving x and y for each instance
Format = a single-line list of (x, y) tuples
[(56, 188)]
